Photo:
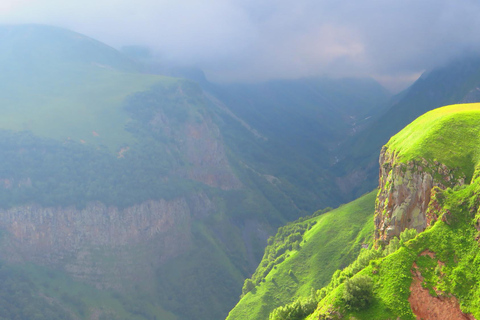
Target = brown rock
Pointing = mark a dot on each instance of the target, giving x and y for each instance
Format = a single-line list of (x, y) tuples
[(405, 191)]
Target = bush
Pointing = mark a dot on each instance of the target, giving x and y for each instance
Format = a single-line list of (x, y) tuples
[(248, 286), (407, 234), (358, 292), (296, 310), (395, 243)]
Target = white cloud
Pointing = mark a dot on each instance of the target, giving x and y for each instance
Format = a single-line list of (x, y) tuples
[(257, 40)]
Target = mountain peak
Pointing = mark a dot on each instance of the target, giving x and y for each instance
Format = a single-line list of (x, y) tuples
[(37, 45)]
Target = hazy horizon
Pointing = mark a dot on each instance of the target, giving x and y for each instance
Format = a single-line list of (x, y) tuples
[(246, 41)]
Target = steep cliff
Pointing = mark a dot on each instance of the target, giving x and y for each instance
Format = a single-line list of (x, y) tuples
[(437, 150), (405, 192), (101, 244), (451, 83)]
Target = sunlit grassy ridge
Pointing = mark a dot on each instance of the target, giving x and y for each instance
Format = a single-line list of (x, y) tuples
[(449, 135), (446, 254), (332, 242)]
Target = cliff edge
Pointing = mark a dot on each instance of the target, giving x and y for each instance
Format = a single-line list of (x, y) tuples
[(439, 149)]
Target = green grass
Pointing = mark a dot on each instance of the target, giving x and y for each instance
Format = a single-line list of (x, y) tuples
[(83, 300), (60, 84), (332, 243), (449, 135), (452, 243), (75, 104)]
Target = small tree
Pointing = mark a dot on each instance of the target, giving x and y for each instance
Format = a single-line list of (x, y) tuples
[(407, 234), (248, 286), (358, 292)]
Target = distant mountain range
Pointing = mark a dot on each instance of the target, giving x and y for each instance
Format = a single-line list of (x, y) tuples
[(126, 193), (154, 195)]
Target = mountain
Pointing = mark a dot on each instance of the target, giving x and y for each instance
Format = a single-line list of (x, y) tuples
[(435, 274), (454, 82), (424, 261), (125, 194), (75, 85)]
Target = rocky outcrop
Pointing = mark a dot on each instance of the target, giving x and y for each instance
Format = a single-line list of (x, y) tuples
[(204, 149), (101, 244), (405, 192)]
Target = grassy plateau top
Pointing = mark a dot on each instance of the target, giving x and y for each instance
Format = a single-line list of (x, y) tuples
[(449, 135)]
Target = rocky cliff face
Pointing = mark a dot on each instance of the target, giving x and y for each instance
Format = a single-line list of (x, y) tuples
[(405, 192), (101, 244), (198, 144)]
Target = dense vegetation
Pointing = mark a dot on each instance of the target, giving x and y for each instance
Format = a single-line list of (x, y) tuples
[(445, 256), (52, 173), (358, 292), (20, 299), (332, 242)]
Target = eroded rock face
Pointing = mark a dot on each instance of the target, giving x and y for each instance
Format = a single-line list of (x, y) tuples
[(101, 244), (427, 307), (201, 145), (405, 192)]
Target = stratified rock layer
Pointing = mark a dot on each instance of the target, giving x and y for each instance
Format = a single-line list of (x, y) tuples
[(101, 244)]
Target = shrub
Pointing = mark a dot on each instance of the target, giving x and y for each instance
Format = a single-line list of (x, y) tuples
[(248, 286), (358, 292), (407, 234), (296, 310)]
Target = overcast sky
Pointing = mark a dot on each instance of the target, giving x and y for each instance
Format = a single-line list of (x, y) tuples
[(255, 40)]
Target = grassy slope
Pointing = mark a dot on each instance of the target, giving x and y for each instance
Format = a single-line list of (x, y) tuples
[(331, 243), (76, 85), (448, 135), (89, 100), (453, 243)]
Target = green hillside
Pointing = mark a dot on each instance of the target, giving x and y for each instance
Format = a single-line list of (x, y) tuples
[(304, 255), (76, 86), (432, 275), (448, 135), (78, 127), (446, 257)]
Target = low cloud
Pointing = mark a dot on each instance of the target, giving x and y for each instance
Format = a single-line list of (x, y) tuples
[(246, 40)]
